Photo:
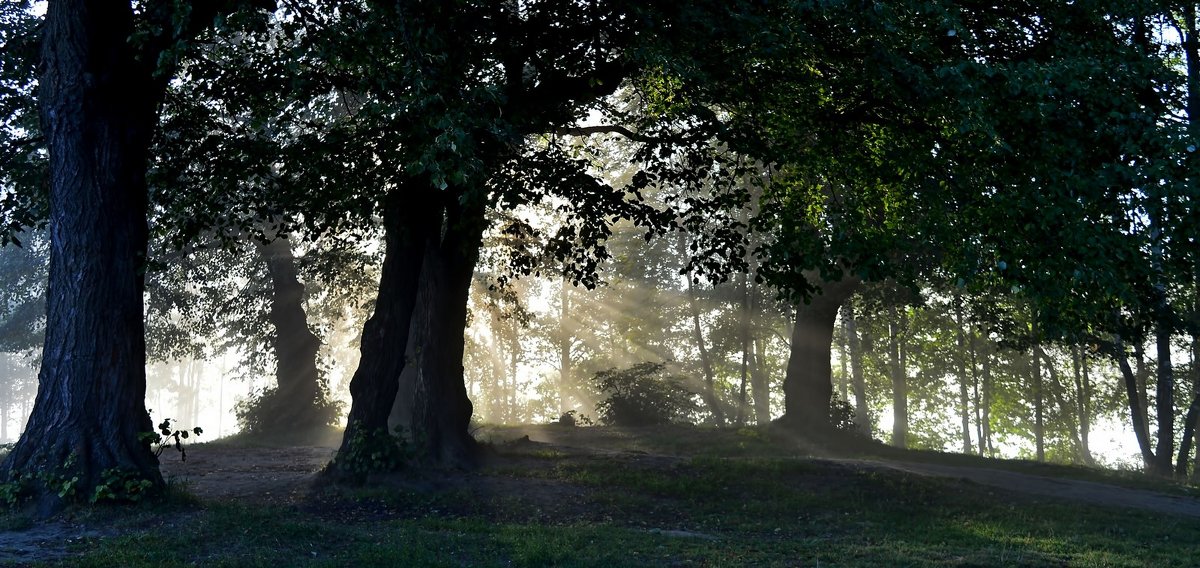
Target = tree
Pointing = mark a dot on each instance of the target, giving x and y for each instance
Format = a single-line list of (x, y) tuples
[(100, 89)]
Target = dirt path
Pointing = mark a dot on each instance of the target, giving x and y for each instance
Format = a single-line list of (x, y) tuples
[(273, 475), (1088, 492)]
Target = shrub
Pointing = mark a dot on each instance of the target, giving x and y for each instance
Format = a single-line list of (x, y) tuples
[(268, 412), (643, 395)]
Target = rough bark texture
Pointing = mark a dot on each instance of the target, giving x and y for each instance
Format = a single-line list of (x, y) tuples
[(808, 384), (408, 222), (296, 346), (441, 409), (98, 113)]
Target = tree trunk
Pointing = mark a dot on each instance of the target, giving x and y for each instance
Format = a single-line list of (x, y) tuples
[(899, 382), (98, 104), (296, 346), (1164, 399), (963, 397), (1136, 416), (1193, 412), (441, 409), (1039, 427), (808, 384), (744, 333), (1083, 408), (986, 406), (566, 332), (843, 380), (409, 219), (861, 413), (761, 384), (708, 393), (975, 394)]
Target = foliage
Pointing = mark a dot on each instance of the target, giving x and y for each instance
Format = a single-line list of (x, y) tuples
[(168, 436), (122, 485), (374, 452), (267, 412), (841, 414), (643, 395)]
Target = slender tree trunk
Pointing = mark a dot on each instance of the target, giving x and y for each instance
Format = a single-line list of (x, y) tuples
[(899, 382), (1164, 398), (1193, 413), (98, 104), (986, 407), (744, 332), (1136, 416), (565, 336), (963, 397), (1069, 416), (1039, 426), (975, 393), (843, 379), (760, 386), (808, 384), (709, 393), (441, 409), (1083, 405), (1142, 373), (409, 219), (862, 415), (296, 346), (1191, 50)]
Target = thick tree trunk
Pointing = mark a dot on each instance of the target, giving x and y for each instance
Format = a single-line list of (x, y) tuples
[(861, 412), (808, 384), (98, 111), (441, 409), (899, 381), (296, 347), (409, 218)]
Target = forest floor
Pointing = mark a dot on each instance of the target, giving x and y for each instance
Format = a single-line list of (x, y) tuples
[(550, 495)]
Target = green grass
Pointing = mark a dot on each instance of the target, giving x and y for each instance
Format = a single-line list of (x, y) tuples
[(730, 501)]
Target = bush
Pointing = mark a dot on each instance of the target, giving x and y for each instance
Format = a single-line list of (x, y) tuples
[(643, 395), (268, 413)]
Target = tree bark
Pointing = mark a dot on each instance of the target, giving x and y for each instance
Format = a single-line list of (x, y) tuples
[(808, 384), (709, 393), (963, 396), (1039, 427), (98, 106), (409, 219), (1136, 416), (1083, 407), (744, 333), (565, 336), (441, 409), (899, 381), (1164, 399), (986, 406), (761, 383), (861, 412), (296, 347)]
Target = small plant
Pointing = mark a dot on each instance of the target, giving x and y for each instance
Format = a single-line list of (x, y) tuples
[(643, 395), (14, 491), (118, 485), (573, 418), (167, 436), (376, 451)]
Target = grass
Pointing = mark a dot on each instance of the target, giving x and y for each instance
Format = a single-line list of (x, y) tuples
[(669, 497)]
